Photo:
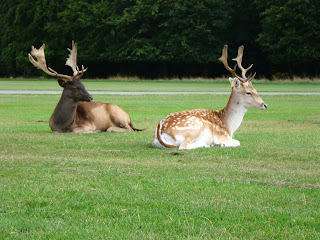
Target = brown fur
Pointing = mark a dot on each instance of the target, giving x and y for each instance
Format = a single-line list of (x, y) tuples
[(75, 112), (97, 116)]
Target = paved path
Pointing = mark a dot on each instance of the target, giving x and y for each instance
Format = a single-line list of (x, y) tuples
[(151, 93)]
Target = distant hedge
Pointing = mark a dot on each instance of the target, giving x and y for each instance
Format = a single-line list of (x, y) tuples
[(162, 38)]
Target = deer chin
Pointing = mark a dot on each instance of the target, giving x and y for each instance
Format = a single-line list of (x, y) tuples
[(262, 106)]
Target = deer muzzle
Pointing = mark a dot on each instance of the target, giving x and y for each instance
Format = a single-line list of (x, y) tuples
[(264, 106)]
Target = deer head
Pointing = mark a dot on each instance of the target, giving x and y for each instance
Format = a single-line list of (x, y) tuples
[(242, 87), (73, 87)]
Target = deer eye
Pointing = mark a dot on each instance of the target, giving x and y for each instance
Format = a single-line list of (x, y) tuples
[(249, 93)]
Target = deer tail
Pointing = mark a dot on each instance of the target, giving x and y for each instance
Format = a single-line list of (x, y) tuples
[(161, 141), (136, 129)]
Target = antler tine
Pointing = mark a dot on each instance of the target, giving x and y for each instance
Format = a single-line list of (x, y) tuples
[(72, 59), (41, 63), (53, 71), (224, 60), (39, 55), (80, 73), (72, 62), (251, 78), (238, 59)]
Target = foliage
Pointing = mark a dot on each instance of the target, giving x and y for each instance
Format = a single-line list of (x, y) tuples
[(161, 35), (291, 34), (148, 31)]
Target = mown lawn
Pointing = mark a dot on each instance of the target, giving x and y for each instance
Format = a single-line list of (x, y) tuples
[(117, 186)]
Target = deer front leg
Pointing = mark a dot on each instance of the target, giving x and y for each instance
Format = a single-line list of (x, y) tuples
[(193, 146), (231, 143), (84, 130), (226, 142)]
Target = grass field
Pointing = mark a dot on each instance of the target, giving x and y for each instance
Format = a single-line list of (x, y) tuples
[(117, 186), (192, 85)]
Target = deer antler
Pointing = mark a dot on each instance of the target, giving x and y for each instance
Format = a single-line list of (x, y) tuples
[(224, 60), (72, 61), (238, 59), (40, 63)]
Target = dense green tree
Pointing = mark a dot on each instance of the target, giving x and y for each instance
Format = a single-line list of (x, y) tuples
[(194, 31), (158, 31), (161, 35), (24, 23), (290, 35)]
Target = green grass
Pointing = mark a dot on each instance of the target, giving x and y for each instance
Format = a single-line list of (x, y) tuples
[(160, 85), (117, 186)]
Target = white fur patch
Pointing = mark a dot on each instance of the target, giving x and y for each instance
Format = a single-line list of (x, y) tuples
[(236, 119), (167, 139), (157, 144)]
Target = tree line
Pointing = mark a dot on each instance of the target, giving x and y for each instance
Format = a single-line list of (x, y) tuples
[(162, 38)]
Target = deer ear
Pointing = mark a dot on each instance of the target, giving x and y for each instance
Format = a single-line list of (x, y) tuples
[(62, 83), (236, 83), (231, 82)]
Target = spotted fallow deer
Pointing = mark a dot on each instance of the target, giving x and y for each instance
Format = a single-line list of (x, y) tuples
[(75, 112), (205, 128)]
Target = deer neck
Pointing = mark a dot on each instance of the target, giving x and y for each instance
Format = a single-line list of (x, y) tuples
[(232, 115), (65, 112)]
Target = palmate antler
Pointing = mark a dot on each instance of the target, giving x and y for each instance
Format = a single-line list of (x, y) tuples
[(40, 63), (238, 59), (72, 62)]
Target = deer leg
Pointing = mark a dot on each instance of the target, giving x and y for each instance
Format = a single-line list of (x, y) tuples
[(189, 143), (232, 143), (84, 130), (225, 141), (127, 127), (118, 129), (217, 145), (197, 144), (185, 143)]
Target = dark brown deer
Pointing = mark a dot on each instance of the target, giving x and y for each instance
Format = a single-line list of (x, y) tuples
[(75, 112)]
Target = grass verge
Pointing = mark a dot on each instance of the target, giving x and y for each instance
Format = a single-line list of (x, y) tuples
[(116, 185), (217, 85)]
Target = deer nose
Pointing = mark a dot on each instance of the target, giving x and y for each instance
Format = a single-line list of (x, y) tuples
[(90, 98), (264, 105)]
